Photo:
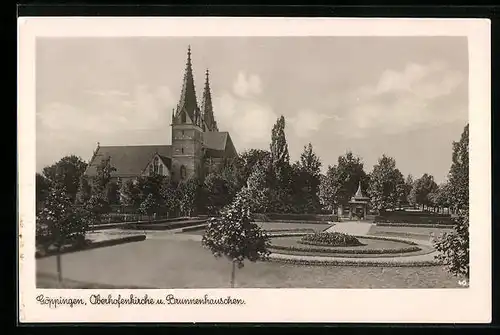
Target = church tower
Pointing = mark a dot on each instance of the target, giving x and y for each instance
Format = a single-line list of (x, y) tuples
[(207, 108), (187, 130)]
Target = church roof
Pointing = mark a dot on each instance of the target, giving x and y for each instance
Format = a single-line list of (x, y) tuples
[(215, 140), (128, 160)]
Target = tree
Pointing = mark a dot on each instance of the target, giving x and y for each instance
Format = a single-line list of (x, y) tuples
[(328, 189), (235, 235), (84, 190), (103, 176), (309, 172), (169, 197), (349, 173), (422, 189), (258, 189), (453, 247), (60, 223), (42, 185), (188, 193), (66, 172), (459, 172), (130, 194), (384, 181), (149, 206), (408, 187), (280, 162), (218, 191), (248, 159)]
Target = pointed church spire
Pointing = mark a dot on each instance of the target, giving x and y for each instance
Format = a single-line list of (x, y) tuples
[(206, 105), (188, 100)]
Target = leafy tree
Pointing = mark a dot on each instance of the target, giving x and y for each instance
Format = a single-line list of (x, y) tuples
[(169, 197), (349, 172), (66, 172), (329, 189), (84, 190), (421, 190), (130, 194), (280, 160), (459, 172), (98, 204), (453, 247), (59, 223), (188, 193), (113, 192), (42, 185), (309, 173), (103, 176), (218, 191), (235, 235), (149, 206), (248, 159), (258, 189), (408, 187), (384, 181)]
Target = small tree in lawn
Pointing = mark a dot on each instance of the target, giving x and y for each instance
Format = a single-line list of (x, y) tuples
[(235, 235), (60, 223), (149, 206)]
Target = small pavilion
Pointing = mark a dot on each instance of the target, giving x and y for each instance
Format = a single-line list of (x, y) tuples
[(358, 204)]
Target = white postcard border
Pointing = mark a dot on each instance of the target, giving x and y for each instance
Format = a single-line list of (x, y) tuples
[(269, 305)]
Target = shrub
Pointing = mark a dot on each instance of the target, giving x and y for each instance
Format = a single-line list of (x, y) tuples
[(317, 262), (333, 239)]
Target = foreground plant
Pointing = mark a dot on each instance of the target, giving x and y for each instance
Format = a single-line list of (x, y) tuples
[(334, 239), (454, 247), (234, 235)]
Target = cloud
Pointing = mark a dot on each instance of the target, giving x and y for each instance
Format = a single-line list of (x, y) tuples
[(244, 113), (306, 122), (247, 85), (141, 116), (403, 100)]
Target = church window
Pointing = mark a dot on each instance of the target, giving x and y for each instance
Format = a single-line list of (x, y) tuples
[(151, 171), (183, 133), (182, 150), (183, 172), (161, 169), (156, 164)]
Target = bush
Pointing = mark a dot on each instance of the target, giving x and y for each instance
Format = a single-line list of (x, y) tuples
[(333, 239), (347, 262), (294, 217)]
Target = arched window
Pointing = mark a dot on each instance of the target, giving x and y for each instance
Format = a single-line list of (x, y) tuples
[(156, 164), (183, 172), (151, 170), (161, 169), (182, 150)]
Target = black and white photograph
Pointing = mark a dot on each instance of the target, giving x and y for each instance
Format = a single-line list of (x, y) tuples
[(253, 162)]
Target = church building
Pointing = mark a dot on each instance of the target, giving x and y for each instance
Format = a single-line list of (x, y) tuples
[(196, 142)]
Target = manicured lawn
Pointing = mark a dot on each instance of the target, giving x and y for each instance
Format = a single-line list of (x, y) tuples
[(420, 233), (160, 263)]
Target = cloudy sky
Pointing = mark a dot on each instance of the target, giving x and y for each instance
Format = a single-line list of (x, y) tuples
[(406, 97)]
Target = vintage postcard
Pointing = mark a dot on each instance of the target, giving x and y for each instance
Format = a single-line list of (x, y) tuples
[(254, 170)]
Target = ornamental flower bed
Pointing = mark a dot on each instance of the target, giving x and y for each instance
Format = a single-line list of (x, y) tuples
[(331, 250), (389, 263), (332, 239)]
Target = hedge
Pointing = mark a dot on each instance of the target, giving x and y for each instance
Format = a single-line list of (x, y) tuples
[(423, 225), (92, 245), (286, 217), (346, 251)]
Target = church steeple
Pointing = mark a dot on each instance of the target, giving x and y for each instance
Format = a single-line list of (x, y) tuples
[(207, 107), (188, 102)]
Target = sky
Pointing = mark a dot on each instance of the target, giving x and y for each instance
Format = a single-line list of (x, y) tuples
[(406, 97)]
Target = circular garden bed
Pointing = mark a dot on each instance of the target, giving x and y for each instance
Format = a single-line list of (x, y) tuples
[(342, 245)]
